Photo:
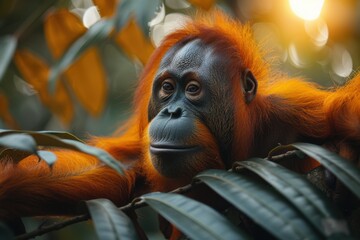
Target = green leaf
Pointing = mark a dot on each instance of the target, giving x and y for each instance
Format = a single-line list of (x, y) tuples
[(48, 157), (193, 218), (63, 135), (47, 140), (59, 134), (301, 193), (19, 141), (261, 203), (110, 222), (7, 49), (143, 11), (346, 172), (97, 33)]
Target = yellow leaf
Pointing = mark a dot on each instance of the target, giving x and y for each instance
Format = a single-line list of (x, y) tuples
[(87, 79), (106, 7), (86, 76), (5, 114), (62, 28), (204, 4), (36, 72), (133, 41)]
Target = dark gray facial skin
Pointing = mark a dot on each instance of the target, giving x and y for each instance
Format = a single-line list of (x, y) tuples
[(191, 87)]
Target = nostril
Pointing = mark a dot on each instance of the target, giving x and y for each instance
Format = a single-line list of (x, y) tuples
[(173, 112), (176, 113)]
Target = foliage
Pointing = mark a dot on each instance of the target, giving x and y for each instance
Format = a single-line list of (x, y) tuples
[(282, 202), (59, 73), (30, 142)]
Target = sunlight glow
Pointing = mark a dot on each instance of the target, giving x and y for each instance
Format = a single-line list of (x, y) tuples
[(318, 32), (307, 9)]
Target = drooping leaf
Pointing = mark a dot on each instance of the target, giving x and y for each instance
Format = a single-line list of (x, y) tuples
[(35, 71), (7, 50), (301, 193), (78, 60), (87, 79), (59, 134), (102, 155), (134, 42), (62, 135), (345, 171), (47, 156), (62, 28), (142, 11), (193, 218), (97, 33), (110, 222), (260, 203), (19, 141), (48, 140)]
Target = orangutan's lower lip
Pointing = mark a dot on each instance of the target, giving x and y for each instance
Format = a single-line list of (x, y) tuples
[(171, 148)]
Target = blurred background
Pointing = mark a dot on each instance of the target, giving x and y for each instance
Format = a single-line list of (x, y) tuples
[(73, 65), (92, 90)]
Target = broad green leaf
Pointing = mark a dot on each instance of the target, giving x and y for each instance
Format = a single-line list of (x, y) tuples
[(47, 156), (345, 171), (47, 140), (7, 50), (63, 135), (193, 218), (301, 193), (261, 203), (102, 155), (110, 222), (97, 33), (19, 141), (59, 134), (143, 11)]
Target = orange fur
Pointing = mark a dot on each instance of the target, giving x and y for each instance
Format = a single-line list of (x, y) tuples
[(31, 188)]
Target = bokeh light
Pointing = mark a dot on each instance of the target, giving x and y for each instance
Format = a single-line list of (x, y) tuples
[(91, 16), (307, 9), (171, 22), (295, 58), (159, 17), (342, 63), (318, 32), (177, 4)]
